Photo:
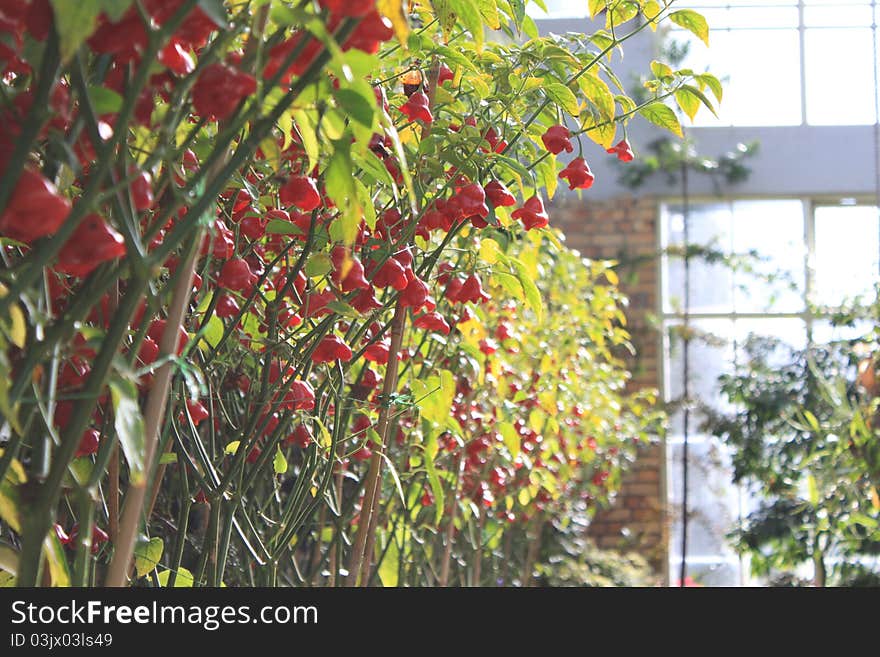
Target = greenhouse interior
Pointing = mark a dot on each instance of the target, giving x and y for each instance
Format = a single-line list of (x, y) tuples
[(439, 293)]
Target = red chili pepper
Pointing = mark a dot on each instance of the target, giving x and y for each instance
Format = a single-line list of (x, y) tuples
[(35, 209), (365, 301), (623, 151), (378, 352), (444, 73), (417, 108), (472, 290), (469, 201), (89, 443), (578, 174), (330, 349), (499, 195), (391, 273), (219, 90), (197, 412), (302, 192), (369, 33), (92, 243), (557, 139), (532, 213), (176, 58), (301, 437), (415, 295), (142, 191), (236, 275), (348, 8), (432, 322)]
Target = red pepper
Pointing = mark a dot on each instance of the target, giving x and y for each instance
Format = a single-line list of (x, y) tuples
[(432, 322), (391, 273), (301, 437), (557, 139), (142, 191), (444, 73), (532, 213), (623, 151), (499, 195), (176, 58), (472, 290), (302, 192), (301, 396), (196, 410), (469, 201), (34, 210), (369, 33), (415, 295), (378, 352), (89, 443), (365, 301), (330, 349), (417, 108), (348, 8), (236, 275), (219, 90), (578, 174), (92, 243), (354, 277)]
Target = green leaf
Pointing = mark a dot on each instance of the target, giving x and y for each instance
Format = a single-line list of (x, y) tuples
[(359, 106), (713, 83), (281, 227), (279, 463), (511, 438), (147, 554), (562, 96), (305, 127), (694, 97), (660, 70), (688, 103), (129, 425), (342, 308), (663, 116), (597, 91), (388, 569), (53, 551), (693, 22), (339, 183), (318, 264), (168, 458), (467, 13), (392, 471), (595, 6), (530, 290), (184, 579), (104, 100)]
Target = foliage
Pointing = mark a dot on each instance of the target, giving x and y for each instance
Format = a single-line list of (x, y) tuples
[(803, 435), (244, 249)]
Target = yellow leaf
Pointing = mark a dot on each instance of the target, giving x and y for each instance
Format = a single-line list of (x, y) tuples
[(651, 11), (393, 11), (489, 250)]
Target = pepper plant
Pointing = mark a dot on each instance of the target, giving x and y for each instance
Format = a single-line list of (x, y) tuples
[(247, 250)]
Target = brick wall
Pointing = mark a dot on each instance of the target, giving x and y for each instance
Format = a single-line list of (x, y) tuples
[(625, 229)]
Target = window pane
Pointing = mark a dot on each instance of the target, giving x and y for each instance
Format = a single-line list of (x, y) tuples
[(838, 15), (710, 354), (774, 230), (832, 98), (711, 283), (846, 253), (758, 89)]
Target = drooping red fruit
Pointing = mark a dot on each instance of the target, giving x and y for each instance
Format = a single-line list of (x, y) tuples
[(623, 151), (219, 90), (92, 243), (578, 174), (499, 195), (391, 273), (348, 8), (236, 275), (432, 321), (417, 108), (302, 192), (532, 213), (89, 443), (34, 210), (469, 201), (415, 295), (472, 290), (142, 191), (197, 412), (330, 349), (556, 139)]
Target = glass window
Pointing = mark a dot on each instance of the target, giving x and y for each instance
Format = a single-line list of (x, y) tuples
[(847, 242), (842, 245)]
